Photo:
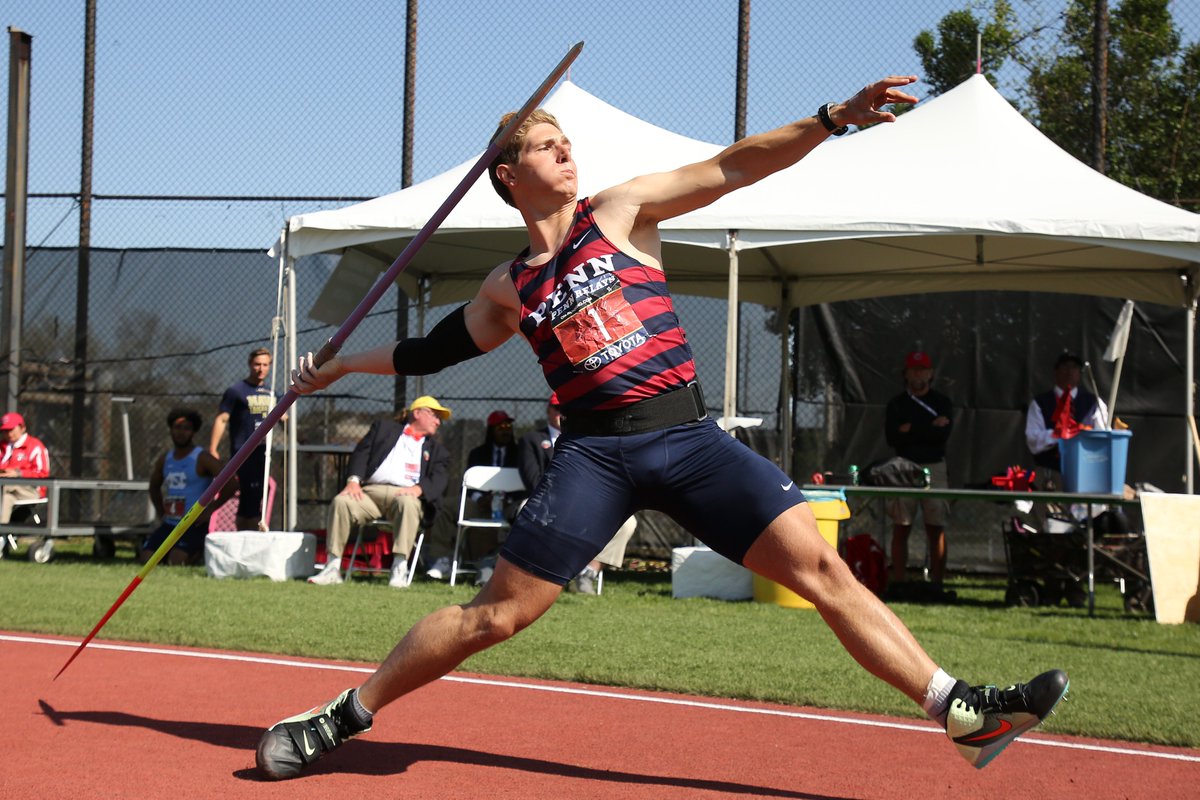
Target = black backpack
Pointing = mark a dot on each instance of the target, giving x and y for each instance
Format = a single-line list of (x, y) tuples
[(896, 471)]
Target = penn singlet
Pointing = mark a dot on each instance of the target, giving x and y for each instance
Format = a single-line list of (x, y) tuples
[(602, 324)]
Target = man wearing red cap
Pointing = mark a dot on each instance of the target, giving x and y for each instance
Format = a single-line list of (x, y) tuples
[(499, 449), (22, 456), (917, 424)]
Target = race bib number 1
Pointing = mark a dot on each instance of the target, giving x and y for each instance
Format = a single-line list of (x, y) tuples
[(600, 332)]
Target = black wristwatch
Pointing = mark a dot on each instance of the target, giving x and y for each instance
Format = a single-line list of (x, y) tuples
[(827, 121)]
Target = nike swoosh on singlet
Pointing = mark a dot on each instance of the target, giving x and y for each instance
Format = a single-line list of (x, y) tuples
[(579, 241)]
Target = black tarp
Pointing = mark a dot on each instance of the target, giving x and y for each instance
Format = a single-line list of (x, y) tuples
[(992, 352)]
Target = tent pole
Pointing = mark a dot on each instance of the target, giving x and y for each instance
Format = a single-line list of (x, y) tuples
[(419, 389), (291, 515), (1190, 411), (729, 407), (785, 380)]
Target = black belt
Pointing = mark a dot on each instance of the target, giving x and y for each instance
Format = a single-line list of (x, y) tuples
[(677, 406)]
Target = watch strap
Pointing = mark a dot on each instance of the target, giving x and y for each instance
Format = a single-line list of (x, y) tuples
[(827, 121)]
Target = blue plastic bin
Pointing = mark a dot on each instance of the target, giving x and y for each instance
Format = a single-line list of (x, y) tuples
[(1093, 462)]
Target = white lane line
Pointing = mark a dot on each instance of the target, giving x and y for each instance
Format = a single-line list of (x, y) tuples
[(610, 695)]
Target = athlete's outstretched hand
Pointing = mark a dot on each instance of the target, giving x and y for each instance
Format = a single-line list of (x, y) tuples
[(865, 107), (308, 377)]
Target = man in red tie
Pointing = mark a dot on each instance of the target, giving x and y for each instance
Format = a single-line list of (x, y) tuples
[(399, 472)]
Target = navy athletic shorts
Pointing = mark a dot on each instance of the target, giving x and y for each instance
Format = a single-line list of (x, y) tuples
[(717, 488)]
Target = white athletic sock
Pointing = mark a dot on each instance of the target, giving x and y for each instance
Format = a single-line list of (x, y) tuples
[(362, 715), (937, 696)]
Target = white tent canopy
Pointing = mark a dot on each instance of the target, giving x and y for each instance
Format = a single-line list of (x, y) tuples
[(961, 193), (481, 231)]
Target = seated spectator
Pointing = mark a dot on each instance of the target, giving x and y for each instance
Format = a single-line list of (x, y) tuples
[(22, 456), (177, 480), (534, 452), (499, 449), (1083, 407), (398, 472)]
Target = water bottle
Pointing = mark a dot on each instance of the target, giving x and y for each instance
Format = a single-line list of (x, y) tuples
[(497, 506), (928, 477), (854, 474)]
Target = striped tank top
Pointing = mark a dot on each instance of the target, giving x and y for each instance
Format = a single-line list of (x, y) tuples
[(602, 325)]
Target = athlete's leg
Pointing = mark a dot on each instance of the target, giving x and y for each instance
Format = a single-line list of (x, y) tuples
[(507, 604), (792, 552)]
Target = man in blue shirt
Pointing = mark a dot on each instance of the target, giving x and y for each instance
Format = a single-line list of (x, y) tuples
[(243, 408)]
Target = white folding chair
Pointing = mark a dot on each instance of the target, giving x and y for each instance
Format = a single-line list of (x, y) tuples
[(481, 479)]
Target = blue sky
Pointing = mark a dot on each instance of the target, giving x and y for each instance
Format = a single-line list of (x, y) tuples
[(299, 98)]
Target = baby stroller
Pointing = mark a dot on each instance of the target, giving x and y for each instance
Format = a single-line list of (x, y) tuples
[(1045, 568)]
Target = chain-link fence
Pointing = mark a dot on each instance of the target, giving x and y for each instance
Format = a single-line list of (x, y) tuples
[(215, 124)]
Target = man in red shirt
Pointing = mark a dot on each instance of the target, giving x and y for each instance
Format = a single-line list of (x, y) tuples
[(21, 456)]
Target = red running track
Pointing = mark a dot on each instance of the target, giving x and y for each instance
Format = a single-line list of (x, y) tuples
[(135, 721)]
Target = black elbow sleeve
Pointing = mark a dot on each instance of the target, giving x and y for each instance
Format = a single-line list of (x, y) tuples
[(448, 343)]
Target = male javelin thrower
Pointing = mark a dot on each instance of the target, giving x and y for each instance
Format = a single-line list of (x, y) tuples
[(590, 295)]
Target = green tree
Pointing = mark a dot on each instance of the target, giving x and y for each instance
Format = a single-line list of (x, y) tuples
[(948, 58), (1153, 141)]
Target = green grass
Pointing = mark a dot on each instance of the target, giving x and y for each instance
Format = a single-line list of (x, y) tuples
[(1131, 678)]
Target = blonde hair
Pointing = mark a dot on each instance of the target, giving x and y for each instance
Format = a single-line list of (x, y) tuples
[(511, 152)]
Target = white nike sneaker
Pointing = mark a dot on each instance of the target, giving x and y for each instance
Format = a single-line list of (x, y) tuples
[(399, 576), (289, 746), (329, 575)]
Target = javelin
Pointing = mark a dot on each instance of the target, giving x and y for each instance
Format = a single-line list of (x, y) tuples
[(331, 348)]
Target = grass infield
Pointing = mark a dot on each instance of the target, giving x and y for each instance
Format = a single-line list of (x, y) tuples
[(1131, 678)]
